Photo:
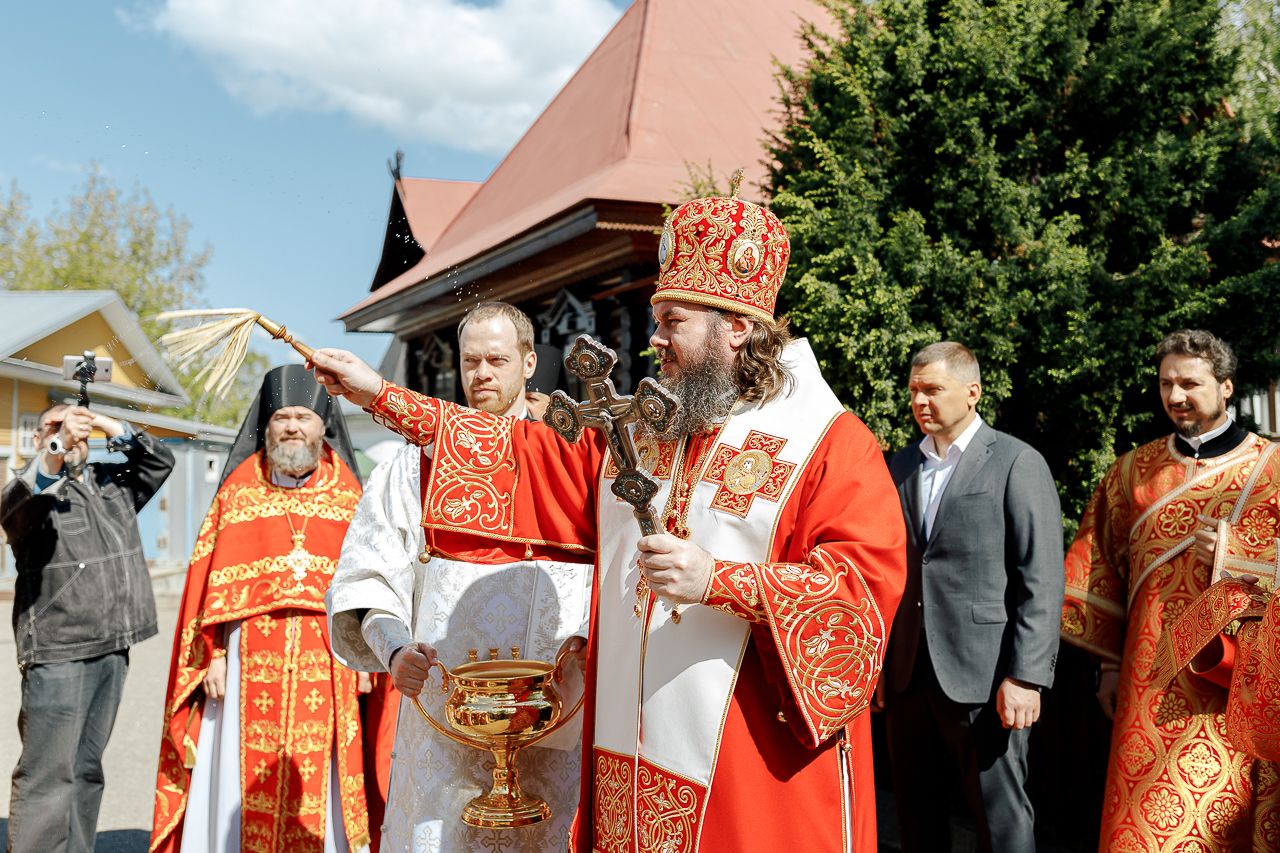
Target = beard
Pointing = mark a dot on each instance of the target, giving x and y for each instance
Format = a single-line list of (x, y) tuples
[(1191, 429), (293, 458), (74, 459), (502, 402), (705, 388)]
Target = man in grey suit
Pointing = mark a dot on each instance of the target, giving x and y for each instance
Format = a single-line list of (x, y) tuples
[(976, 636)]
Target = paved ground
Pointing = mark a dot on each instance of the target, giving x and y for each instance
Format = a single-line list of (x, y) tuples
[(124, 825)]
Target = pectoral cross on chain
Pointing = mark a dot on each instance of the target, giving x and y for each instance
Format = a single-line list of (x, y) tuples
[(592, 362), (298, 561)]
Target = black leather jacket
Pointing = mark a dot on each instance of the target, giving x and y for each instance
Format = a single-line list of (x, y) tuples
[(83, 589)]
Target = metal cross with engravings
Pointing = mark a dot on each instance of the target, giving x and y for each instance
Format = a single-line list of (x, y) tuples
[(605, 410)]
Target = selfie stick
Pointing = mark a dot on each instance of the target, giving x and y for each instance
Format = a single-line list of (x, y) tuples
[(86, 370)]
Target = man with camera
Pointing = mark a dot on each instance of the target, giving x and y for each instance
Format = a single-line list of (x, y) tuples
[(82, 598)]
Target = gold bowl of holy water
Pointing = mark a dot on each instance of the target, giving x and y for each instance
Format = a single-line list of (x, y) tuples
[(502, 706)]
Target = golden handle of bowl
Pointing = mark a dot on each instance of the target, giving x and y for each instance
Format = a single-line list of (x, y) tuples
[(445, 730), (479, 744), (577, 706)]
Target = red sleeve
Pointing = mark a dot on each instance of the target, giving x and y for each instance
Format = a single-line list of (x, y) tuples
[(503, 480), (1220, 659), (414, 416), (823, 607), (1095, 601)]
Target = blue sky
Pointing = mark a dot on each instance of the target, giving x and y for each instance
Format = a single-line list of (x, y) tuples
[(268, 123)]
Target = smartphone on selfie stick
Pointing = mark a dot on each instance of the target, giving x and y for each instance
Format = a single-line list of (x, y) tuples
[(84, 369)]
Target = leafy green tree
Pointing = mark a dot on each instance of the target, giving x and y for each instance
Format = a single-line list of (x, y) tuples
[(1253, 28), (1055, 183), (105, 239)]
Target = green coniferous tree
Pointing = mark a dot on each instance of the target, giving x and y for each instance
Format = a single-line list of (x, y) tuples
[(1055, 183)]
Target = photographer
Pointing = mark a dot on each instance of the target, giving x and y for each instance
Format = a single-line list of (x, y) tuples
[(83, 596)]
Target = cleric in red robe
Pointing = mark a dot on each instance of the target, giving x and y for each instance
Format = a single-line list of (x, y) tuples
[(732, 656), (261, 748)]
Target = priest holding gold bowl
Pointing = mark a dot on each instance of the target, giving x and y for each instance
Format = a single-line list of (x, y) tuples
[(417, 590), (735, 638)]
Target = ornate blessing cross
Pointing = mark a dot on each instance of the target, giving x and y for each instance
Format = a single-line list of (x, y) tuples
[(592, 362)]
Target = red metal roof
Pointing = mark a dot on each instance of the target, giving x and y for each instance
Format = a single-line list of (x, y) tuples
[(673, 83), (429, 206), (432, 204)]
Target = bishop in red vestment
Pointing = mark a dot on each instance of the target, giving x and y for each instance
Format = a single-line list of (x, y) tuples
[(261, 750), (732, 657)]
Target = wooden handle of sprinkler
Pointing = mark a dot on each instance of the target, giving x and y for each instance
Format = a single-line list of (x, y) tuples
[(281, 333)]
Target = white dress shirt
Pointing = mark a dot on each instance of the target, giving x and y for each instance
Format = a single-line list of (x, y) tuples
[(1197, 440), (937, 470)]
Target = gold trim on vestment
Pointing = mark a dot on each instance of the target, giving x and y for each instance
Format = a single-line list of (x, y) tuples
[(1094, 600), (1249, 484), (1166, 556), (566, 546), (1210, 469)]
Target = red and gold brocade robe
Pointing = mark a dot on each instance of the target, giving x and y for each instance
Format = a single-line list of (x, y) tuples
[(1174, 781), (791, 746), (296, 702), (1245, 661)]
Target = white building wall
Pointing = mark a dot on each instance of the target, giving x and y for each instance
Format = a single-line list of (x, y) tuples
[(1263, 407)]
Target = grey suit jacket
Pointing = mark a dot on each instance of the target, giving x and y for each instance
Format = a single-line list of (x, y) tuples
[(986, 589)]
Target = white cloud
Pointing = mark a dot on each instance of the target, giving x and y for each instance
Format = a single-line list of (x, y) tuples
[(64, 167), (444, 71)]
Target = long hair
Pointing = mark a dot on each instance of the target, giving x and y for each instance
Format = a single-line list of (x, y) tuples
[(759, 371)]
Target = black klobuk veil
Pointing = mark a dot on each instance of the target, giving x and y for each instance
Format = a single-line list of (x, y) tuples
[(290, 385)]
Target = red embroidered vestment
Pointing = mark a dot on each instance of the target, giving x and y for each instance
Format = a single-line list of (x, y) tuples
[(1174, 782), (297, 704), (795, 735)]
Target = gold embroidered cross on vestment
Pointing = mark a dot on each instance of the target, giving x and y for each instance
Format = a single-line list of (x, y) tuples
[(754, 471)]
